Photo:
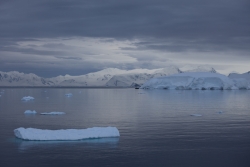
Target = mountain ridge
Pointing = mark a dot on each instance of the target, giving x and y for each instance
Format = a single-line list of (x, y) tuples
[(109, 77)]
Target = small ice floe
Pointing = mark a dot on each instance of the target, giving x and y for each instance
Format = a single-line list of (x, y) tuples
[(66, 134), (80, 91), (27, 98), (69, 94), (30, 112), (52, 113), (196, 115), (220, 112)]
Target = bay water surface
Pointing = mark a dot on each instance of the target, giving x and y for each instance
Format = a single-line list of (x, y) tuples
[(156, 127)]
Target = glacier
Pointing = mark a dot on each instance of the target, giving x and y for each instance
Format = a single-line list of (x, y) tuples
[(240, 76), (65, 134), (52, 113), (27, 98), (241, 79), (195, 81), (30, 112)]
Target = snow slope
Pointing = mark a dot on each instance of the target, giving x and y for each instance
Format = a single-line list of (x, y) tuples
[(66, 134), (194, 80), (92, 79)]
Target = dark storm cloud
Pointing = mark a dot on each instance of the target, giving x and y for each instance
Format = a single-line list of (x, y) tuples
[(33, 51), (34, 33), (224, 23)]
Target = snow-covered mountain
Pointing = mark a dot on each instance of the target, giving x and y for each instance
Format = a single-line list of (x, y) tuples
[(99, 78), (139, 77), (15, 78), (110, 77)]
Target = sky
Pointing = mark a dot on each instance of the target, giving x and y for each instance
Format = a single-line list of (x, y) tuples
[(58, 37)]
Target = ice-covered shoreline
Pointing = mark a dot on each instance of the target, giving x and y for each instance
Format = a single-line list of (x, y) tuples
[(65, 134)]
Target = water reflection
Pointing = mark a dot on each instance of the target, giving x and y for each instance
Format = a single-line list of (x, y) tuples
[(24, 145)]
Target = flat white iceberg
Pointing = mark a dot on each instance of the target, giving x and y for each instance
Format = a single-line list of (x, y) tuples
[(195, 81), (66, 134), (69, 94), (30, 112), (52, 113), (27, 98)]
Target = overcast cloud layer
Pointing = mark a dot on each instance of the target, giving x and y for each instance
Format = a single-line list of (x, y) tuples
[(49, 38)]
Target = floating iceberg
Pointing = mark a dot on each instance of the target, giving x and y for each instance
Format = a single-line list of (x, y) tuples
[(27, 98), (69, 94), (30, 112), (195, 81), (66, 134), (196, 115), (52, 113)]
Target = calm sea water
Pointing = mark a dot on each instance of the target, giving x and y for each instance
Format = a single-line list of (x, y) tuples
[(155, 126)]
